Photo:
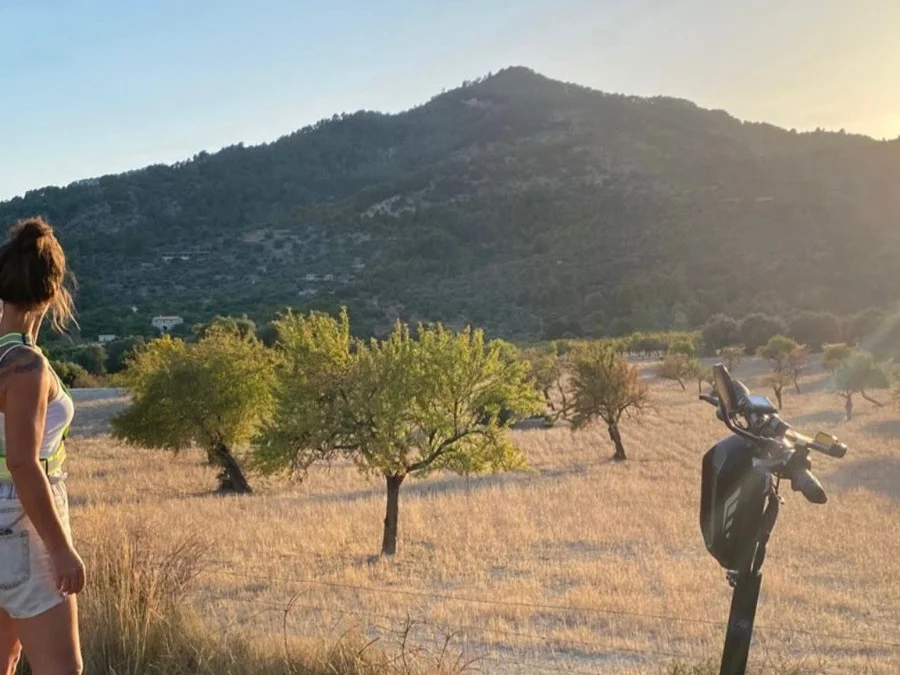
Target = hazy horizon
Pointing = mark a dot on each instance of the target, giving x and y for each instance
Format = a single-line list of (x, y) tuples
[(102, 88)]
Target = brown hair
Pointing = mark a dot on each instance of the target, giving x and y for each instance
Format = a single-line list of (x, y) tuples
[(33, 271)]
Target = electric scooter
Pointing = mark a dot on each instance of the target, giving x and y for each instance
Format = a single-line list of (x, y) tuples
[(739, 499)]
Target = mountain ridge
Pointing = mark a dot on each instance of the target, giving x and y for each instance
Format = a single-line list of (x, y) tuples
[(517, 202)]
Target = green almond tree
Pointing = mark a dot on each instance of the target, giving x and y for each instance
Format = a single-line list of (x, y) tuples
[(214, 394), (311, 413), (400, 407)]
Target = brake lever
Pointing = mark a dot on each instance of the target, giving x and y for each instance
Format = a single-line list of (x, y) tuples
[(709, 398)]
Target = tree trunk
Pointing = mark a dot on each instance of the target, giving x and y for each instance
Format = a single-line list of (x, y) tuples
[(796, 383), (849, 407), (616, 438), (681, 382), (389, 541), (871, 400), (778, 398), (231, 477), (700, 385)]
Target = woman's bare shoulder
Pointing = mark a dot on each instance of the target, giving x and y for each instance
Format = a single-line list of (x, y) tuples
[(17, 361)]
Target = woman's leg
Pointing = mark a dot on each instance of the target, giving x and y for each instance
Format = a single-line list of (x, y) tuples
[(51, 641), (10, 647)]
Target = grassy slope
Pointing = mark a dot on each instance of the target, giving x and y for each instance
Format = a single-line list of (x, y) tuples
[(615, 540)]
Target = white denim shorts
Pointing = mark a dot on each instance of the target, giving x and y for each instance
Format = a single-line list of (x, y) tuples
[(27, 586)]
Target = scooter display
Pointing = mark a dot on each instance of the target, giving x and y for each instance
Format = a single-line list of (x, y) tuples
[(740, 497)]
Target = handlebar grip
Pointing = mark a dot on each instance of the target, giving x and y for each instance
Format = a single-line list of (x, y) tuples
[(836, 450), (805, 482)]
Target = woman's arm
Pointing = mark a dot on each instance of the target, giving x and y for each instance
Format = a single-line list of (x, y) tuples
[(28, 382)]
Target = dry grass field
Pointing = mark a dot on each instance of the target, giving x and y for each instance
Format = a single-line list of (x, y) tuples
[(581, 566)]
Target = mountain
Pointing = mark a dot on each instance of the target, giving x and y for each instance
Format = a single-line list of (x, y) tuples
[(525, 205)]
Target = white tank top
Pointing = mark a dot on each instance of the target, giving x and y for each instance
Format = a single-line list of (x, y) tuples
[(60, 412)]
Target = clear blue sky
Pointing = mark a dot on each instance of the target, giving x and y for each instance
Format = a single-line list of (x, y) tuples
[(101, 86)]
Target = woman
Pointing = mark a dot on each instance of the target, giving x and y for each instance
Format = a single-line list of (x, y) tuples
[(40, 571)]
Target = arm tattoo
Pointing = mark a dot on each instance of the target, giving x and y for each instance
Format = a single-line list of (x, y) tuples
[(20, 361)]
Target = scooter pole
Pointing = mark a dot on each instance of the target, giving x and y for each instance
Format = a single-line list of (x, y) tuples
[(745, 597), (740, 624)]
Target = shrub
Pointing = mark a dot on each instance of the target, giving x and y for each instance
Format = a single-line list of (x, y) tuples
[(719, 332), (74, 375), (758, 329), (815, 329)]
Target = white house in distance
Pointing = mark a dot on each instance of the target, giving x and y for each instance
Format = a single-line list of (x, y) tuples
[(166, 323), (105, 339)]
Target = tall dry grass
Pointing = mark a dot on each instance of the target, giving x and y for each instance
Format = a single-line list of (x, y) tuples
[(137, 616), (583, 565)]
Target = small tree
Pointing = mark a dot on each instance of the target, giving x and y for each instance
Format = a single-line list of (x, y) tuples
[(797, 363), (213, 393), (777, 350), (400, 407), (547, 373), (788, 361), (308, 420), (242, 326), (605, 386), (679, 368), (684, 346), (835, 356), (731, 356), (778, 380), (859, 374)]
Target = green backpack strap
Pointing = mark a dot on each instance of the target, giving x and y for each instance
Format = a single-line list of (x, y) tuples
[(24, 339)]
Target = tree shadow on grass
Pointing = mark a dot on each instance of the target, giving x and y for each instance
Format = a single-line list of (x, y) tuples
[(452, 484), (886, 428), (878, 474), (829, 418)]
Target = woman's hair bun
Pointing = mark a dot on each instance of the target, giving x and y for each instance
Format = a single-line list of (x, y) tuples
[(30, 231), (33, 271)]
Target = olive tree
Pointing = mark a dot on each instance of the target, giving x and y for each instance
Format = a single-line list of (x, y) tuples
[(778, 380), (788, 361), (731, 356), (606, 387), (859, 374), (213, 394), (777, 350), (835, 356), (679, 367), (399, 407)]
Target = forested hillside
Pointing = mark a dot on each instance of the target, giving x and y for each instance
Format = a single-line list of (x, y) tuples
[(528, 206)]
